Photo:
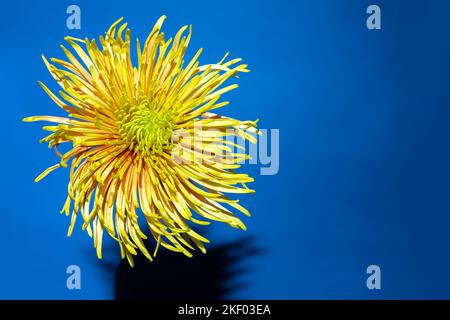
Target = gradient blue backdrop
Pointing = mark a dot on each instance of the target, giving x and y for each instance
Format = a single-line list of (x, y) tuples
[(364, 151)]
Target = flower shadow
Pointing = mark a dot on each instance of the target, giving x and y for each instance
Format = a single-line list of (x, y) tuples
[(173, 276)]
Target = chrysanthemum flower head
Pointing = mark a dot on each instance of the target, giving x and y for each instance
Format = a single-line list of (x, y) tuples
[(144, 140)]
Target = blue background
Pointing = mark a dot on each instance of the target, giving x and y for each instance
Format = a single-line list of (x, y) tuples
[(364, 151)]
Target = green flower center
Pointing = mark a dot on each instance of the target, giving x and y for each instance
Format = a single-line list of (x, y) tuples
[(145, 129)]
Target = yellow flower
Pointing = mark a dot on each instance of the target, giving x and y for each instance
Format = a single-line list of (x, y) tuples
[(144, 138)]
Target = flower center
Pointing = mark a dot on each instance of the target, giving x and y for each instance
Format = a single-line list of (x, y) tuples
[(145, 129)]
